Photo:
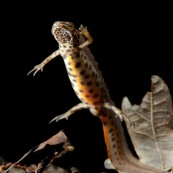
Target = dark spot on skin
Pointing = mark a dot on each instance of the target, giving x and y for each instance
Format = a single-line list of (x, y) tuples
[(97, 84), (81, 91), (113, 146), (70, 69), (86, 76), (68, 50), (95, 95), (101, 112), (102, 89), (118, 146), (86, 64), (119, 142), (113, 138), (87, 96), (82, 72), (69, 63), (82, 83), (110, 130), (78, 64), (72, 56), (91, 91), (71, 74), (75, 44), (104, 123), (95, 103), (112, 123), (120, 163), (104, 96), (97, 108), (101, 97), (89, 83), (110, 117), (93, 73), (74, 80), (64, 46)]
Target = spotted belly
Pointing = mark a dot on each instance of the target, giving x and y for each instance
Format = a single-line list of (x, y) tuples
[(85, 81)]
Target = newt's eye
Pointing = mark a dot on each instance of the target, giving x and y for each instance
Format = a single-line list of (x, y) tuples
[(71, 26)]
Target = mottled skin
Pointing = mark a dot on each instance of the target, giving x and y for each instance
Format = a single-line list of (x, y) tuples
[(89, 86)]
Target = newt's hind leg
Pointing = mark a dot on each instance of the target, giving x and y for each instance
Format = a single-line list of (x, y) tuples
[(70, 112), (118, 113)]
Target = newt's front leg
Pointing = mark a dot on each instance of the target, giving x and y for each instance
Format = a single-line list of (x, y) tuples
[(70, 112), (40, 66), (84, 31)]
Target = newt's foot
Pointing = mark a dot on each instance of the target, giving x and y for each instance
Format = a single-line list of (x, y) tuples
[(83, 30), (60, 117), (36, 69), (70, 112), (119, 113)]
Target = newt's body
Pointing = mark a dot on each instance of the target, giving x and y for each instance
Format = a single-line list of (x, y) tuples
[(89, 86)]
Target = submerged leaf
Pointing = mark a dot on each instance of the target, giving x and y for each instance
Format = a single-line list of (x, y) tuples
[(152, 135)]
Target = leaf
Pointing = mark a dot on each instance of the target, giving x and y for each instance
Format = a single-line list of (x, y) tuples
[(54, 140), (152, 135), (58, 138)]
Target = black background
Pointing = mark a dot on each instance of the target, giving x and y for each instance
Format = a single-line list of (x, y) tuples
[(132, 41)]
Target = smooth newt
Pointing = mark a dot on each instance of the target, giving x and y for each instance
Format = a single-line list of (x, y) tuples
[(89, 86)]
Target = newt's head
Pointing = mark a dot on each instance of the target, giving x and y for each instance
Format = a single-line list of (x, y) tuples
[(65, 32)]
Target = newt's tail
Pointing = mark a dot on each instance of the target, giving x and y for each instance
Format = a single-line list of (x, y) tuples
[(118, 151)]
